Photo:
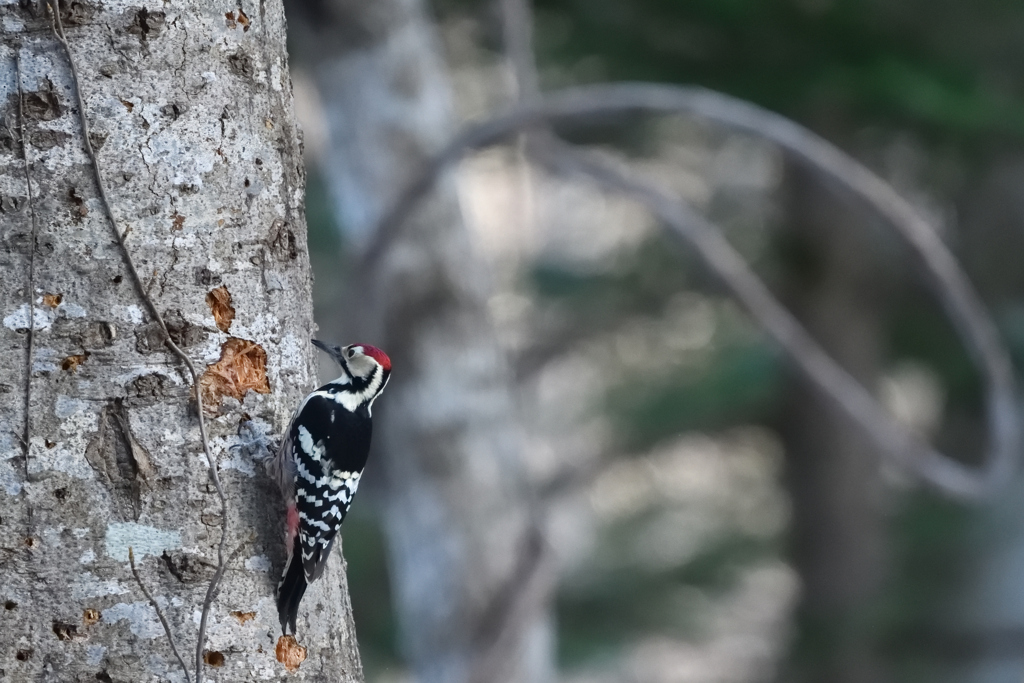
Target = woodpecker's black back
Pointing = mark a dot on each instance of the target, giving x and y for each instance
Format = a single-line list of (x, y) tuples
[(320, 464)]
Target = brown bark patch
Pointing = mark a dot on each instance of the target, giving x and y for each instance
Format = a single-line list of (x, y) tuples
[(236, 19), (242, 366), (52, 300), (81, 210), (243, 616), (290, 653), (219, 301), (90, 616), (177, 221), (71, 363), (214, 658)]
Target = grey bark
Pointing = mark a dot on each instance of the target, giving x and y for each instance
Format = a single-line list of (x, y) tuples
[(190, 109), (464, 547), (833, 469)]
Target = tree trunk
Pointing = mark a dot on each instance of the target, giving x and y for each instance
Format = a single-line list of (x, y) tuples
[(191, 115), (465, 553), (833, 471)]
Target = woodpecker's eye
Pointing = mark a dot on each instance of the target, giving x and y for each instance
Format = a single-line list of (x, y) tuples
[(350, 353)]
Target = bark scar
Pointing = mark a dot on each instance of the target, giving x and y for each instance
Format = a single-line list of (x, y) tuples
[(125, 464)]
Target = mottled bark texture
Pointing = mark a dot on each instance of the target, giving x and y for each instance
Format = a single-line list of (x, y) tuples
[(462, 542), (190, 107)]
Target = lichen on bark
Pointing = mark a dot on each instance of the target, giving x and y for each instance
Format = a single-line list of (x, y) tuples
[(191, 114)]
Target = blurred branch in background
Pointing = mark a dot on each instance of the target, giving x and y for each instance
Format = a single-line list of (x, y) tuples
[(951, 286)]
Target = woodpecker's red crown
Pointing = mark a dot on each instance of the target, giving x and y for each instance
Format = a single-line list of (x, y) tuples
[(376, 354)]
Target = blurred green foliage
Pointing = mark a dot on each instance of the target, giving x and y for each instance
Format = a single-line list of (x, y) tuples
[(599, 616), (944, 67), (737, 384)]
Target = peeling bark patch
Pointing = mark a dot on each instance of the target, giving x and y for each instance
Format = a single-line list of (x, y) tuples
[(90, 616), (128, 105), (66, 631), (219, 301), (177, 221), (242, 366), (52, 300), (144, 540), (290, 653), (243, 616), (236, 19), (214, 658), (71, 363), (120, 458)]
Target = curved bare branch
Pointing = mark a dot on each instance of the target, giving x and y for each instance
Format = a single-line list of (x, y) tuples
[(950, 284)]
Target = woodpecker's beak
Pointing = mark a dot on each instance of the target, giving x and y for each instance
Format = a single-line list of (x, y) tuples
[(335, 352)]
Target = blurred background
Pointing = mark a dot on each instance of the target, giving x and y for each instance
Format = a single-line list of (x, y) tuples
[(591, 465)]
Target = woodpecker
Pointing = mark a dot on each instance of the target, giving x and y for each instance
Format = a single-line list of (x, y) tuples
[(319, 465)]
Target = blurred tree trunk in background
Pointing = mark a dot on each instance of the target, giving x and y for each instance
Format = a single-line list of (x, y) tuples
[(457, 513), (833, 471)]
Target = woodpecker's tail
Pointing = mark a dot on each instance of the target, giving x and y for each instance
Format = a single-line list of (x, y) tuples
[(291, 589)]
